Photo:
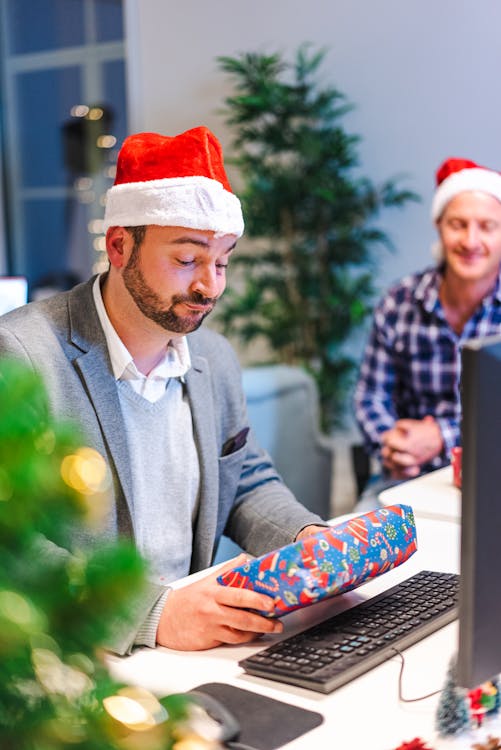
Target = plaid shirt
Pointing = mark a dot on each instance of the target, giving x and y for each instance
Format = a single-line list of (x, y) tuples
[(411, 366)]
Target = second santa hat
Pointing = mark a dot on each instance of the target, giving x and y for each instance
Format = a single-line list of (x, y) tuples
[(456, 176)]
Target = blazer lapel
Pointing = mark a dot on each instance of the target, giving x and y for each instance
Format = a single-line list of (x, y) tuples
[(95, 369), (202, 410)]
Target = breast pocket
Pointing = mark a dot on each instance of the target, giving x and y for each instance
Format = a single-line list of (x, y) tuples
[(230, 470)]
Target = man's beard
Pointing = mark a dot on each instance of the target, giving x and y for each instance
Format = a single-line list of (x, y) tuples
[(152, 306)]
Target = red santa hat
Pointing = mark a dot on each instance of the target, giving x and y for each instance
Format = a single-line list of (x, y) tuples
[(456, 176), (173, 181)]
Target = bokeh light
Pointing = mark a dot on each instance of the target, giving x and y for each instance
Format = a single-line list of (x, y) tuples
[(85, 471), (19, 610), (136, 709), (57, 677)]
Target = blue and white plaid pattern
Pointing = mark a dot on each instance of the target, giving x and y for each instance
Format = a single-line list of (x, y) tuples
[(411, 365)]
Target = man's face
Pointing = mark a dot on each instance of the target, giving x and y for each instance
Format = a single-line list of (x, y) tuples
[(176, 275), (470, 232)]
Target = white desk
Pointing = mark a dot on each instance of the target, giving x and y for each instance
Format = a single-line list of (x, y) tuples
[(430, 496), (364, 713)]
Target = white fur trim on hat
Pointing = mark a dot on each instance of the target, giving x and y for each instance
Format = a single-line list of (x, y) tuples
[(475, 178), (193, 202)]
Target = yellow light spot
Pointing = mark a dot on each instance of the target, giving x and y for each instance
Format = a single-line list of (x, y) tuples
[(106, 141), (147, 700), (128, 712), (85, 471), (95, 113), (16, 608)]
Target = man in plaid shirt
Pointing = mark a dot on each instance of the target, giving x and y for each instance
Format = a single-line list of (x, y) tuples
[(407, 400)]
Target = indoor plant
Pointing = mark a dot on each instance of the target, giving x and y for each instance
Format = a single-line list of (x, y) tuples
[(310, 285)]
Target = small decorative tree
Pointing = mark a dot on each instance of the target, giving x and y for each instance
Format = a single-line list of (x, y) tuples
[(57, 608), (497, 698), (453, 713), (311, 285)]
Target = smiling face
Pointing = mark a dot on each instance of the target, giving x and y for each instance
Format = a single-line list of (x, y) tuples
[(174, 275), (470, 233)]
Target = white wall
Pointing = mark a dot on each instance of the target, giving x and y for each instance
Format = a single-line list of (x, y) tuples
[(424, 76)]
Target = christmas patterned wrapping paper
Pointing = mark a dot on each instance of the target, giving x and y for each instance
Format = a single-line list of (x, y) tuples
[(330, 562)]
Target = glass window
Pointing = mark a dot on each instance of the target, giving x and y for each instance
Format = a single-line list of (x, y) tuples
[(35, 25), (44, 101), (46, 223), (109, 21), (63, 118)]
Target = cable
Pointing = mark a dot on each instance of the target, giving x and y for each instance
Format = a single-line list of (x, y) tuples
[(400, 676)]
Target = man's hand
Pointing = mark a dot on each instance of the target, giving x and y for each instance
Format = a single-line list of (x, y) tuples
[(409, 444), (205, 614), (309, 530)]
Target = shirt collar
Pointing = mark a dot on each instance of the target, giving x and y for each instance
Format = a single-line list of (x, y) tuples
[(497, 289), (429, 287), (174, 364)]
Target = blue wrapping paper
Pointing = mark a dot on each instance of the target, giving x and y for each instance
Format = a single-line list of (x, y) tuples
[(330, 562)]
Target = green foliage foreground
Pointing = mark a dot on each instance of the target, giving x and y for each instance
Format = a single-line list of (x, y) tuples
[(57, 607), (309, 285)]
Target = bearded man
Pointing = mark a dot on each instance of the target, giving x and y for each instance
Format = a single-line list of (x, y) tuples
[(162, 401)]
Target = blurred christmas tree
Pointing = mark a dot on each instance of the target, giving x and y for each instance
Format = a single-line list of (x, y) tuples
[(56, 608), (310, 285)]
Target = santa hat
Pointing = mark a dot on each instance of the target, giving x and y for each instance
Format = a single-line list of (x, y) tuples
[(456, 176), (173, 181)]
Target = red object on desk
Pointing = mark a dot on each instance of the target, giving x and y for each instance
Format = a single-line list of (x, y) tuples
[(456, 461), (415, 744)]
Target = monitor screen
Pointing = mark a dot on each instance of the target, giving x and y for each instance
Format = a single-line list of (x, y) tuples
[(13, 292), (479, 652)]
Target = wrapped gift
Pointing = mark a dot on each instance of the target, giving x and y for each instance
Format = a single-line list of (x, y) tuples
[(330, 562)]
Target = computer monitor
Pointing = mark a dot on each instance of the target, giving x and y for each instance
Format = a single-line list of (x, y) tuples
[(479, 652), (13, 292)]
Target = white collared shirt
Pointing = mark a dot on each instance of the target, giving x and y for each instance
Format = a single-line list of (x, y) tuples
[(175, 363)]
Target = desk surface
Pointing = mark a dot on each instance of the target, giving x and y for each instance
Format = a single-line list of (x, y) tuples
[(386, 722), (431, 496)]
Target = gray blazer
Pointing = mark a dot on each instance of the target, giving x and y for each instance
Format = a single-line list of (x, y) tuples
[(241, 493)]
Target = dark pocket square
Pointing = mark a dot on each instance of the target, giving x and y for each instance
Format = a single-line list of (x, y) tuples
[(235, 442)]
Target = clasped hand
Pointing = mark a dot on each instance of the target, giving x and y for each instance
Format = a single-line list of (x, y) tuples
[(409, 444)]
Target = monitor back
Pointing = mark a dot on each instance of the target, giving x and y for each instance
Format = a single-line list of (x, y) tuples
[(479, 653)]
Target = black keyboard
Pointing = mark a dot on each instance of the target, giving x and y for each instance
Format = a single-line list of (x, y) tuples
[(345, 646)]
